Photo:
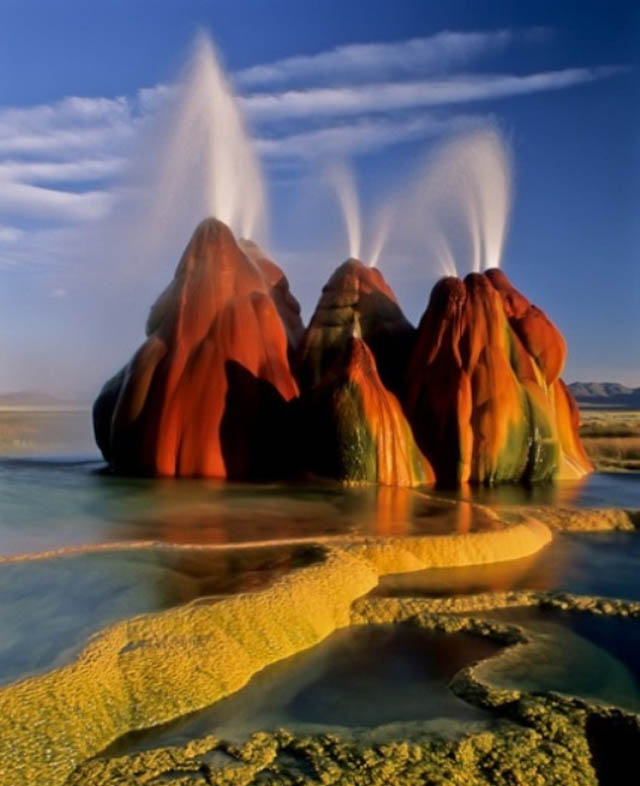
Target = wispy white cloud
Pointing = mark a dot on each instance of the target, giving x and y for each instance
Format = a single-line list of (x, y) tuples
[(362, 136), (391, 96), (10, 235), (26, 200), (60, 171), (433, 53), (60, 162), (72, 124)]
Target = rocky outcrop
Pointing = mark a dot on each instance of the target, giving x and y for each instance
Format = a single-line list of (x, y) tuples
[(206, 393), (356, 291), (278, 284), (354, 428), (483, 392)]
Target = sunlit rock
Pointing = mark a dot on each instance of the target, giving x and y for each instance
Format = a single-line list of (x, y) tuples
[(483, 392), (356, 291), (206, 394), (287, 305), (354, 428)]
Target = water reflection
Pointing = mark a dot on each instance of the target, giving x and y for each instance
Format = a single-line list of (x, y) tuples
[(595, 563), (599, 490), (48, 505), (578, 654), (359, 678), (49, 607)]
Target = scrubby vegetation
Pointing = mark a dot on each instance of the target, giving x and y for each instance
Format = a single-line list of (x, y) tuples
[(612, 439)]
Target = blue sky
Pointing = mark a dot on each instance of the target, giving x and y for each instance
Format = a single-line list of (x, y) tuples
[(377, 83)]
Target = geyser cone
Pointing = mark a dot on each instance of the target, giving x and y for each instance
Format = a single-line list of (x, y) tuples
[(483, 393), (287, 305), (206, 393), (356, 291), (354, 428)]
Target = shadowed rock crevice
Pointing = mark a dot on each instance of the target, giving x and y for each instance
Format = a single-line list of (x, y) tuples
[(614, 742)]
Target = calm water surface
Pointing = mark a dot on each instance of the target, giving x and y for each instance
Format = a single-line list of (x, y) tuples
[(359, 678), (64, 498)]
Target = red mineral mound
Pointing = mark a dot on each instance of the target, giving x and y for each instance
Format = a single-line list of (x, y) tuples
[(483, 393), (356, 291), (355, 429), (206, 393), (288, 307)]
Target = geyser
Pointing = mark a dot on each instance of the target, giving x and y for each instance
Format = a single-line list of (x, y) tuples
[(341, 178), (204, 161), (355, 292), (206, 393), (468, 188), (230, 384), (484, 395), (453, 213)]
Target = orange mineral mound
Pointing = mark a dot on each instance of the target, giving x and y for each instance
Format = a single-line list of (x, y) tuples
[(483, 390), (356, 290), (354, 427), (287, 305), (206, 393)]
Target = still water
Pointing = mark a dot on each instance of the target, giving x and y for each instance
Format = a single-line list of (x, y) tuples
[(81, 548), (360, 678)]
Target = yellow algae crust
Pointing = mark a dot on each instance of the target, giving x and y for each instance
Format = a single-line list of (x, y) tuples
[(156, 667), (534, 739), (584, 519), (446, 551)]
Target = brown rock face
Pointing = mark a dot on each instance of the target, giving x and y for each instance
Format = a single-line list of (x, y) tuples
[(357, 432), (206, 394), (356, 291), (483, 393)]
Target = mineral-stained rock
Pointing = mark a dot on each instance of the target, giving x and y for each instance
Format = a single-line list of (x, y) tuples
[(287, 305), (483, 392), (356, 431), (356, 290), (205, 394)]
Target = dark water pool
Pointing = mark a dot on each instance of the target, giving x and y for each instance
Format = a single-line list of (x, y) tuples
[(591, 656), (358, 678)]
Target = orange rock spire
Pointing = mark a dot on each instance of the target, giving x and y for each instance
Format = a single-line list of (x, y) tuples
[(355, 429), (484, 396), (356, 291), (206, 393)]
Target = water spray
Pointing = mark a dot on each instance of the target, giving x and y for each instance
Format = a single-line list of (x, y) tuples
[(342, 180)]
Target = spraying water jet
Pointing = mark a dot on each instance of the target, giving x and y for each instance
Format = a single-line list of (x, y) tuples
[(341, 178)]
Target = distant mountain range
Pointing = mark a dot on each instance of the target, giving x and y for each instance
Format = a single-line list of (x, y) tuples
[(605, 394)]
